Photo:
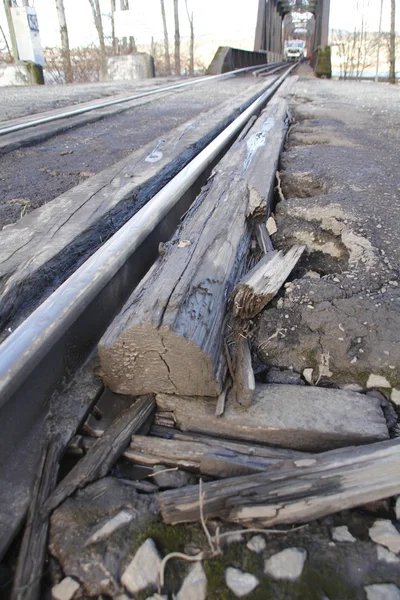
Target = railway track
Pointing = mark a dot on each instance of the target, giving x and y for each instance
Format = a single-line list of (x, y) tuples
[(47, 395), (27, 130), (59, 335)]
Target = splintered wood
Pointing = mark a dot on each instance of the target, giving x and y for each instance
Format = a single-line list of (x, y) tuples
[(263, 282), (169, 336), (203, 454), (293, 491), (104, 452)]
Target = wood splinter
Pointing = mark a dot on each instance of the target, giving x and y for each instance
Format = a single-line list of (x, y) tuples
[(263, 282)]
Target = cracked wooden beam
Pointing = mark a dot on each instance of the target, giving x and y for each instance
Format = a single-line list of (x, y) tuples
[(169, 336), (294, 491)]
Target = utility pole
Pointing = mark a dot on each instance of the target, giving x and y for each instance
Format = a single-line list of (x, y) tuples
[(14, 47), (379, 43), (166, 44)]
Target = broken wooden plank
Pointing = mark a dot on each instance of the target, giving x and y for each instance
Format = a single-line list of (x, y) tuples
[(291, 416), (104, 452), (238, 447), (263, 239), (31, 558), (263, 282), (110, 406), (41, 250), (217, 458), (169, 336), (244, 386), (294, 491), (21, 453)]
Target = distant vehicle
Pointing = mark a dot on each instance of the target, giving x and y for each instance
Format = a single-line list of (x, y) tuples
[(295, 50)]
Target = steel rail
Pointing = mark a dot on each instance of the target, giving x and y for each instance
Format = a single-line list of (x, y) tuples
[(23, 350), (105, 104)]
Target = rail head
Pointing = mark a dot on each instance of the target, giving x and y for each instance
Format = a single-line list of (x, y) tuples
[(84, 109)]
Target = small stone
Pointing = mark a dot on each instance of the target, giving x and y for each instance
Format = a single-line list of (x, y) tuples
[(386, 556), (385, 533), (397, 508), (257, 544), (167, 478), (377, 381), (382, 591), (395, 396), (194, 585), (143, 570), (312, 275), (65, 590), (122, 518), (271, 226), (157, 597), (240, 583), (287, 565), (307, 374), (342, 534)]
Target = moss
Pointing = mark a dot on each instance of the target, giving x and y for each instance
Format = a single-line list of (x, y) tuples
[(36, 72), (319, 580), (238, 556), (311, 360), (173, 538)]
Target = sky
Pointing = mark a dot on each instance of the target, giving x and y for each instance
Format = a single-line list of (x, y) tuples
[(215, 21)]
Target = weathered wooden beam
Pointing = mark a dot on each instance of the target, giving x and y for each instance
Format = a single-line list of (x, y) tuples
[(27, 580), (263, 282), (291, 416), (244, 385), (264, 241), (101, 456), (216, 458), (40, 251), (169, 336), (239, 447), (293, 491)]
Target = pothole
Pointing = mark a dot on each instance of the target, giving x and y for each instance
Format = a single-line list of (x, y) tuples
[(302, 184)]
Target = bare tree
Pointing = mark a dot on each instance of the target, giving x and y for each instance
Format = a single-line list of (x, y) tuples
[(177, 40), (6, 44), (95, 4), (392, 47), (66, 54), (166, 44), (114, 39), (191, 47)]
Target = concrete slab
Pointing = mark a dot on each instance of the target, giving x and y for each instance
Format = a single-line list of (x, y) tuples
[(298, 417)]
